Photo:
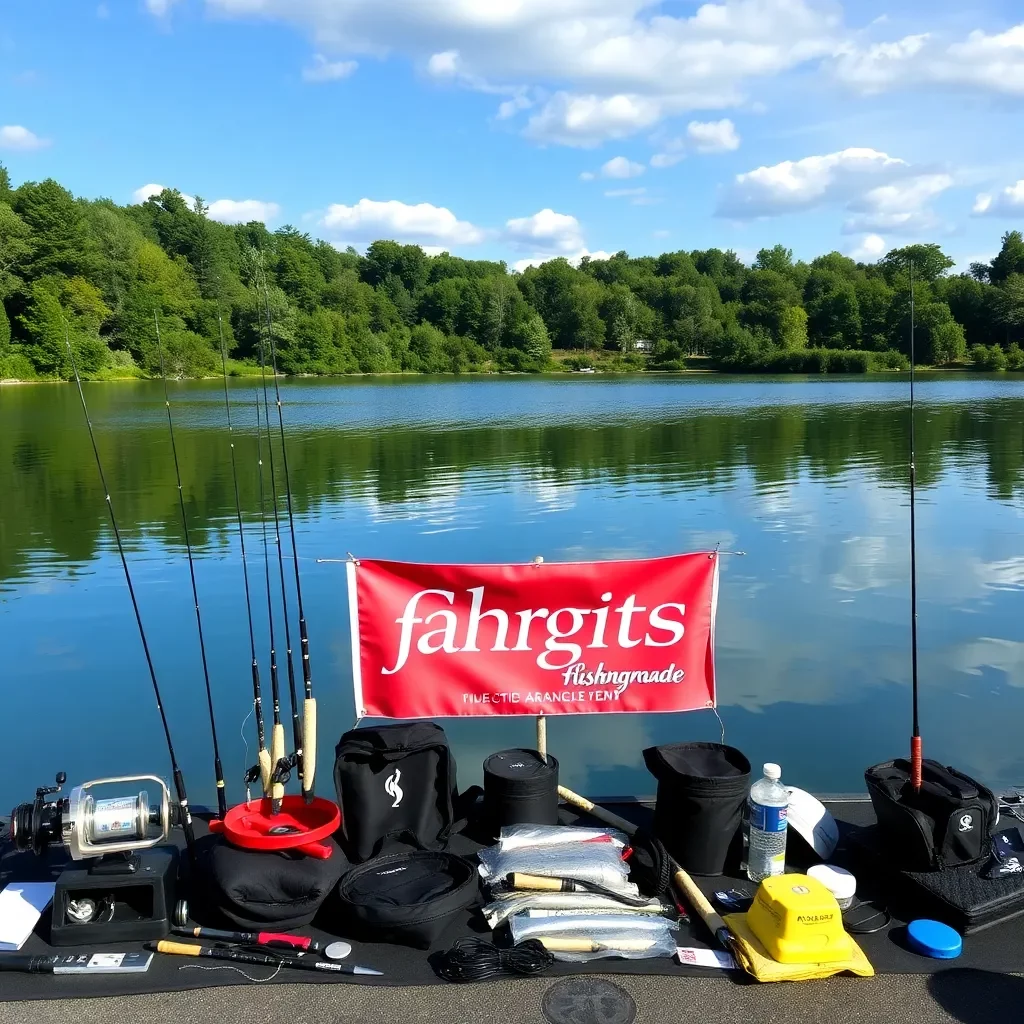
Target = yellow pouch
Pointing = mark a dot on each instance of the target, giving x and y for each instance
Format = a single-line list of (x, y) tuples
[(754, 958)]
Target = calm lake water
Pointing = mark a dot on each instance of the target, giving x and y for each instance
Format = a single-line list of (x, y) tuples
[(808, 477)]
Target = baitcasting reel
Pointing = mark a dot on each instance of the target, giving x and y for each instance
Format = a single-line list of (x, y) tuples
[(91, 827)]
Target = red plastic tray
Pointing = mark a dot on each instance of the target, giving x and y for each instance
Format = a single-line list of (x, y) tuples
[(249, 825)]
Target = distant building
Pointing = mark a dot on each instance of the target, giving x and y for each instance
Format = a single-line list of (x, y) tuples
[(643, 345)]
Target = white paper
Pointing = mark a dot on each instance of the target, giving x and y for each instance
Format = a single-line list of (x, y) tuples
[(21, 906), (690, 956), (106, 960)]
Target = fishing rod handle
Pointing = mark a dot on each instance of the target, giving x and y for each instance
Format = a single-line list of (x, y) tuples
[(27, 964), (276, 756), (260, 938), (222, 799), (185, 815), (915, 763), (308, 746), (520, 880), (558, 944), (596, 811)]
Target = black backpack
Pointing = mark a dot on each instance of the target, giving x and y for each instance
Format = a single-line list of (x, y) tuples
[(396, 785), (946, 824)]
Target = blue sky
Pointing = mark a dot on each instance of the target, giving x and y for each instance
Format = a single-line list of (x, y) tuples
[(523, 129)]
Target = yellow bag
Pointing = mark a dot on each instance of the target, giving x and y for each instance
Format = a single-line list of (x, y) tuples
[(754, 958)]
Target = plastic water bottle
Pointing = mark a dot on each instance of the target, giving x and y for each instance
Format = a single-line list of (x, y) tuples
[(767, 811)]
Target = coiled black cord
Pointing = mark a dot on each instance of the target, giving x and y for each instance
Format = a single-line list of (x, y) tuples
[(473, 959)]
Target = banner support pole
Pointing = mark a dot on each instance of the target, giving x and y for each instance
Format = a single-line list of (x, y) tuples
[(542, 722)]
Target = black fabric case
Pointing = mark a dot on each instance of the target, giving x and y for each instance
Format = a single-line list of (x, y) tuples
[(958, 896), (407, 898), (253, 888), (702, 788), (395, 782), (946, 824), (520, 787)]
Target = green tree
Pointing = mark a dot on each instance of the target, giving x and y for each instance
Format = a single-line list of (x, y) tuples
[(767, 295), (1009, 306), (15, 247), (56, 223), (929, 261), (793, 328), (833, 311), (5, 332), (1010, 259)]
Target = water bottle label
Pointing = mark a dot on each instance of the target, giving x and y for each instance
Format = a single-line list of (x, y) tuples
[(768, 819)]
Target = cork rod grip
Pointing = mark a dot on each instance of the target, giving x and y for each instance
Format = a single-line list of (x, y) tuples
[(558, 944), (181, 948), (276, 753), (308, 744), (265, 770), (699, 902), (519, 880)]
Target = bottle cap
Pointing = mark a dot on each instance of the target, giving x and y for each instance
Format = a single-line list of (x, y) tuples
[(934, 939), (772, 771), (837, 880)]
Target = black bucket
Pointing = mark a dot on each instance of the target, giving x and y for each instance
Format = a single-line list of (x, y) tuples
[(701, 791), (520, 788)]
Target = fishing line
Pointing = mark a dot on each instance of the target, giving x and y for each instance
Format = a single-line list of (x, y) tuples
[(218, 770), (257, 696), (282, 764), (277, 738), (179, 779), (237, 970), (307, 761)]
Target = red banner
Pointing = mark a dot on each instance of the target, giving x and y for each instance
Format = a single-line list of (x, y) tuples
[(432, 641)]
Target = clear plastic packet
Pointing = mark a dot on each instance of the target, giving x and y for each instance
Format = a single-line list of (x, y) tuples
[(580, 939), (514, 837), (593, 862), (500, 910)]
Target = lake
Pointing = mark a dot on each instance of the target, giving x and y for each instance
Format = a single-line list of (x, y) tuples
[(808, 477)]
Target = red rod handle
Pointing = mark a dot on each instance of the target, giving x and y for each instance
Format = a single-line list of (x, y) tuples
[(915, 762), (295, 941)]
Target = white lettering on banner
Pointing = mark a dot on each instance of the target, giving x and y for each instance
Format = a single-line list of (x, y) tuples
[(566, 628), (577, 675)]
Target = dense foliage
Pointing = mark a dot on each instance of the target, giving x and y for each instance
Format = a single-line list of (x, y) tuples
[(102, 273)]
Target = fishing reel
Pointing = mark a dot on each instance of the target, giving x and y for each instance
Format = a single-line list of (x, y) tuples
[(90, 827)]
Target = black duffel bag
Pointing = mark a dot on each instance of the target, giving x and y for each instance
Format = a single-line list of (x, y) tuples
[(395, 782), (948, 823), (408, 898)]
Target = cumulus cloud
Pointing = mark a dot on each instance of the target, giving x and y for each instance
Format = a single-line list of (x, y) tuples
[(983, 61), (618, 193), (575, 259), (546, 232), (226, 211), (713, 136), (870, 249), (421, 223), (701, 137), (17, 137), (621, 65), (160, 8), (881, 192), (621, 167), (1009, 202), (324, 70)]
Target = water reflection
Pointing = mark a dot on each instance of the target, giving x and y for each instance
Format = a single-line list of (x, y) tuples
[(809, 479)]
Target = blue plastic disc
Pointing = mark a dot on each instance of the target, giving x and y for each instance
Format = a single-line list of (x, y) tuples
[(934, 939)]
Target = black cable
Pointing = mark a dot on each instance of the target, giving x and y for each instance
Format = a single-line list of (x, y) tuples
[(473, 959)]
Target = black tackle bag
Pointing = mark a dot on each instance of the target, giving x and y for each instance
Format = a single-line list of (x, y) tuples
[(395, 783), (946, 824)]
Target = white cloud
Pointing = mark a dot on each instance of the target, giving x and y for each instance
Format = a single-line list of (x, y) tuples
[(421, 223), (102, 11), (621, 65), (621, 167), (701, 137), (982, 61), (226, 211), (241, 211), (160, 8), (618, 193), (15, 136), (587, 121), (882, 193), (324, 70), (870, 249), (546, 233), (899, 208), (1009, 202), (444, 65), (713, 136), (587, 176), (661, 233), (509, 108)]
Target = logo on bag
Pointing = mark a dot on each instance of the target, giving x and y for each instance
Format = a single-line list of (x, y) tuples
[(966, 823), (392, 788)]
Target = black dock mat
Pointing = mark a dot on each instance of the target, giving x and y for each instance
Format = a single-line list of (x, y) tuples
[(998, 949)]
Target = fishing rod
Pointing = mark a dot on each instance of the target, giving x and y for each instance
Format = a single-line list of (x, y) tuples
[(308, 770), (277, 736), (915, 740), (264, 767), (218, 770), (179, 779), (283, 765)]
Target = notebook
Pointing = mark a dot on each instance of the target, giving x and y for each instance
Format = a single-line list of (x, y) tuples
[(21, 906)]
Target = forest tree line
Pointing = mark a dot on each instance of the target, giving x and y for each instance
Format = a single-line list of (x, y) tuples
[(104, 273)]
